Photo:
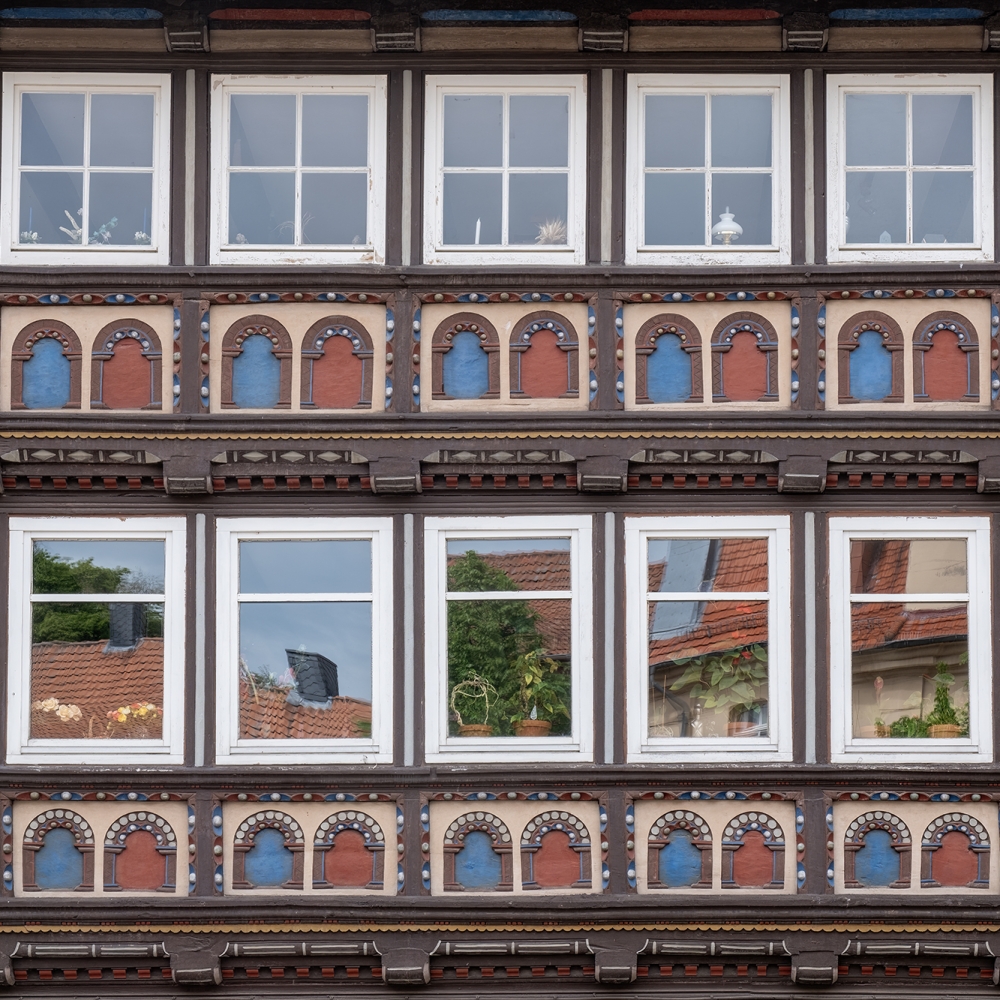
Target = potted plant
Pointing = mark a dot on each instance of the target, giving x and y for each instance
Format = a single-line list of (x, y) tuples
[(473, 697), (539, 694), (943, 722)]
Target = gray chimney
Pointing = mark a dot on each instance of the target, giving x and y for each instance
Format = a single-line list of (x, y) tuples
[(128, 625)]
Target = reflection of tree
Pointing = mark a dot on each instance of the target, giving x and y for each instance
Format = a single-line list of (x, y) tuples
[(486, 638)]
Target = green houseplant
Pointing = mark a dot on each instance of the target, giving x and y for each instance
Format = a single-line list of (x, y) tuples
[(942, 723), (539, 700)]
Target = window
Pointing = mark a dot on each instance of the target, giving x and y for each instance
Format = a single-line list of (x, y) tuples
[(505, 169), (708, 170), (910, 168), (508, 674), (86, 168), (299, 169), (304, 643), (910, 638), (96, 641), (708, 675)]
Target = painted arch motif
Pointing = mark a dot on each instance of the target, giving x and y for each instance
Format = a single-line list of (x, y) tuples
[(555, 852), (126, 368), (955, 851), (348, 851), (337, 365), (140, 854), (544, 358), (870, 359), (745, 360), (753, 852), (945, 360), (478, 854), (58, 853), (46, 367), (256, 365), (268, 851), (877, 848), (680, 852), (465, 358), (668, 361)]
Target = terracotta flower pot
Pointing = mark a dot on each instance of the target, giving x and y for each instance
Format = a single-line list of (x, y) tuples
[(532, 727), (944, 732), (740, 728), (475, 730)]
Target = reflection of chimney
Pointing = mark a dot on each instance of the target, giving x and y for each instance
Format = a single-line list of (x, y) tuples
[(128, 625)]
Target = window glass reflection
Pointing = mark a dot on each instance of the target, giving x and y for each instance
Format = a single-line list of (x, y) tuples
[(485, 564), (52, 130), (320, 566), (98, 567), (262, 130), (909, 566)]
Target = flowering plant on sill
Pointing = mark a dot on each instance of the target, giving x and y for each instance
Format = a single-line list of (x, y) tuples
[(68, 713), (142, 720)]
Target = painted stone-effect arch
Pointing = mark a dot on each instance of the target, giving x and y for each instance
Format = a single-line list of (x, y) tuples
[(680, 852), (955, 851), (337, 365), (58, 853), (140, 854), (945, 359), (266, 381), (465, 358), (555, 852), (545, 358), (348, 851), (888, 839), (268, 850), (744, 360), (126, 368), (753, 852), (478, 854), (668, 361), (870, 359), (56, 381)]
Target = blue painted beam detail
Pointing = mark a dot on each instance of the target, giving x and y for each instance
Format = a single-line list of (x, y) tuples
[(466, 368), (58, 864), (680, 860), (668, 371), (871, 368), (256, 375), (877, 863), (268, 862), (80, 14), (907, 14), (477, 865), (45, 378)]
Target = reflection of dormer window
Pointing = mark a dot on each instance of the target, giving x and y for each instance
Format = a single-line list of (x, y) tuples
[(688, 564)]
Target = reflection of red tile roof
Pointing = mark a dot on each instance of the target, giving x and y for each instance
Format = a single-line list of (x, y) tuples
[(876, 625), (742, 566), (83, 674), (723, 625), (267, 715), (548, 570), (887, 569)]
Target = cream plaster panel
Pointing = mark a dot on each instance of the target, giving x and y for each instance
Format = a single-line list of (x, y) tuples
[(522, 39), (87, 322), (908, 313), (285, 40), (701, 38), (309, 815), (912, 39), (504, 316), (716, 813), (296, 318), (917, 816), (516, 814), (706, 316), (100, 816)]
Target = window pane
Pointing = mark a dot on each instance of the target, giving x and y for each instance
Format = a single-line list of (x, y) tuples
[(121, 207), (909, 669), (508, 663), (537, 210), (508, 564), (942, 129), (675, 131), (748, 198), (473, 209), (97, 671), (261, 208), (675, 210), (942, 207), (908, 566), (121, 130), (876, 130), (98, 567), (741, 130), (708, 565), (473, 131), (708, 669), (334, 130), (305, 670), (262, 130), (314, 566), (52, 130), (335, 209), (876, 207), (539, 131), (51, 207)]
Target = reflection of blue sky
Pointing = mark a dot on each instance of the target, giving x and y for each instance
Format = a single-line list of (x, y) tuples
[(342, 632), (496, 546), (327, 566), (143, 558)]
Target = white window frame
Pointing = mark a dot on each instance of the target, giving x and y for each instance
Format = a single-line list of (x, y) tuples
[(778, 746), (574, 252), (23, 531), (157, 252), (980, 85), (376, 90), (640, 85), (229, 747), (440, 747), (845, 748)]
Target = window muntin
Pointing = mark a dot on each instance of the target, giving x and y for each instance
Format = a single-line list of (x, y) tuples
[(708, 675), (305, 640), (910, 168), (511, 672), (96, 640), (87, 162), (707, 169), (300, 169), (907, 641), (504, 163)]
